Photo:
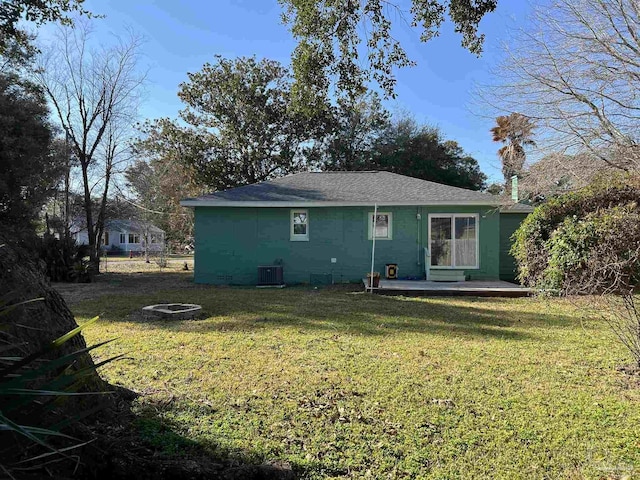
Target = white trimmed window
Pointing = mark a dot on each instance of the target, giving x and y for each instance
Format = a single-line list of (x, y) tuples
[(123, 238), (382, 225), (453, 240), (299, 226), (134, 238)]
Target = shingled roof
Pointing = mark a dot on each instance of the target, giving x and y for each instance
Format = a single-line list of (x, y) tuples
[(121, 225), (124, 226), (342, 189), (517, 208)]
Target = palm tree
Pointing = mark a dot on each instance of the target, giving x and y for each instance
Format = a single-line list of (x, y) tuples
[(514, 131)]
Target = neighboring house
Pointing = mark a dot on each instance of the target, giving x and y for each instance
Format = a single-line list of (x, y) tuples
[(126, 235), (319, 226)]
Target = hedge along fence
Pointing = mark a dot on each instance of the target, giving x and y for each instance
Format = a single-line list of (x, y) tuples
[(587, 241)]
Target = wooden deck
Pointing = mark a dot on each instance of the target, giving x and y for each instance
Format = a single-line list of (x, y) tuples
[(494, 288)]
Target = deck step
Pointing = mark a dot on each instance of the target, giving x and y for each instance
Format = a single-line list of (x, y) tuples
[(479, 288), (447, 276)]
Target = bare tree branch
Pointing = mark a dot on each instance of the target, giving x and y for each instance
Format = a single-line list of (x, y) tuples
[(94, 93), (576, 72)]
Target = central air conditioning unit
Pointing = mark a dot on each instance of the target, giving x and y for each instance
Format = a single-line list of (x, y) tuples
[(270, 275)]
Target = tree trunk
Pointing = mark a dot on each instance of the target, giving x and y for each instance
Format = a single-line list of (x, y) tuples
[(31, 327), (101, 219), (94, 265), (67, 220), (67, 187)]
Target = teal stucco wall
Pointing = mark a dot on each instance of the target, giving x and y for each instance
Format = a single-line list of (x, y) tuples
[(231, 242), (509, 223)]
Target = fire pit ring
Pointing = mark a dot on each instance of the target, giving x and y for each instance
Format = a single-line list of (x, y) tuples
[(172, 311)]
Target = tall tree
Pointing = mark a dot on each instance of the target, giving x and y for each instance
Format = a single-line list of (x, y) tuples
[(556, 174), (239, 111), (515, 131), (356, 125), (333, 36), (94, 95), (574, 71), (420, 151), (168, 171), (142, 180), (29, 168), (373, 141), (37, 11)]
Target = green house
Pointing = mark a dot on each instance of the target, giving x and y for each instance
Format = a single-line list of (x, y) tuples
[(510, 219), (319, 227)]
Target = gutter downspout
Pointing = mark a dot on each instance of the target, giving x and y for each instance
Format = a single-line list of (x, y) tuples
[(373, 248)]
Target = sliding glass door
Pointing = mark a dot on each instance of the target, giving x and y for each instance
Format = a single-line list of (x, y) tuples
[(453, 240)]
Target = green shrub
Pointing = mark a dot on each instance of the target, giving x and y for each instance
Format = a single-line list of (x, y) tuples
[(583, 242), (64, 260)]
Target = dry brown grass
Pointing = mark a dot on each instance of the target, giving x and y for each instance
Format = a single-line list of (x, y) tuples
[(138, 265)]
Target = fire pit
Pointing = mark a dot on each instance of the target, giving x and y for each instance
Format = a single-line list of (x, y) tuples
[(172, 311)]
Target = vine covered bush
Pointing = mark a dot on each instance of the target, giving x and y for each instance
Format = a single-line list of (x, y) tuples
[(586, 241)]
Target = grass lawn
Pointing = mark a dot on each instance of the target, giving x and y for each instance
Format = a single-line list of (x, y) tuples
[(342, 384), (124, 264)]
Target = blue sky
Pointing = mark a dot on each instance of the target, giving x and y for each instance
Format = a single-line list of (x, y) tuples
[(180, 36)]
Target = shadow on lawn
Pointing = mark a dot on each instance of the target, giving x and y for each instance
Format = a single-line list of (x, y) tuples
[(168, 454), (147, 446), (451, 320), (337, 311)]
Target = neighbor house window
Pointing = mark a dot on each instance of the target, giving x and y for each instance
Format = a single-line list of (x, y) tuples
[(134, 238), (299, 225), (106, 238), (453, 240), (381, 226), (123, 238)]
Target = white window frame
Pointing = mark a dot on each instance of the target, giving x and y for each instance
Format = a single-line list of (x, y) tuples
[(134, 235), (453, 217), (370, 229), (123, 239), (297, 237)]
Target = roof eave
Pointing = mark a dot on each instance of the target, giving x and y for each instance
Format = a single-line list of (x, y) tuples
[(514, 211), (310, 204)]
